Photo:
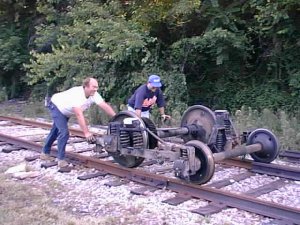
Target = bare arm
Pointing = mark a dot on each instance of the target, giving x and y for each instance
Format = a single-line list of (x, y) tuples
[(162, 113), (107, 108), (81, 120), (138, 112), (162, 110)]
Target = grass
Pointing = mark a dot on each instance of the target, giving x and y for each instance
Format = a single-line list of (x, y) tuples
[(24, 109), (285, 127), (22, 204)]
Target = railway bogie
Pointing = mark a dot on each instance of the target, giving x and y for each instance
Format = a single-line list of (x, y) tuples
[(207, 137)]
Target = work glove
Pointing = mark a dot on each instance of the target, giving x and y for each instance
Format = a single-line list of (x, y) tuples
[(91, 139)]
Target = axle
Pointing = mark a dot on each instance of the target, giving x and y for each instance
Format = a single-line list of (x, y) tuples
[(196, 131), (238, 151)]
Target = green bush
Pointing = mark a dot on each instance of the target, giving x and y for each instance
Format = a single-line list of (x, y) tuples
[(286, 127)]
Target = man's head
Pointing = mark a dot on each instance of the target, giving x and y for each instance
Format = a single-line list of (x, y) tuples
[(90, 86), (154, 81)]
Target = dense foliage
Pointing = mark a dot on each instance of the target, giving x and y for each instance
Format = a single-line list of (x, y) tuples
[(14, 29), (223, 54)]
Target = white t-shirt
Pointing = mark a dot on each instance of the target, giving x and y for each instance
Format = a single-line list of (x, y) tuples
[(74, 97)]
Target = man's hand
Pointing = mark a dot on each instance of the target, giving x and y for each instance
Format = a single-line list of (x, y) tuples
[(90, 139), (165, 117)]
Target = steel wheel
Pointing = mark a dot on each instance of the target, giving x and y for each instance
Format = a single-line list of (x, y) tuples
[(207, 167), (199, 115), (269, 142)]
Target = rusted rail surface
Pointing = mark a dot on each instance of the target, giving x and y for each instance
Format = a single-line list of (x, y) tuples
[(265, 168), (293, 156), (240, 201), (73, 131)]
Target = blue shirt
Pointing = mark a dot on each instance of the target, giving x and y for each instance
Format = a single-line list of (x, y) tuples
[(144, 99)]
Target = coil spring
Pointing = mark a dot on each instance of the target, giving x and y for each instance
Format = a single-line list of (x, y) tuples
[(219, 141), (113, 130), (227, 125), (137, 139), (184, 153), (124, 138)]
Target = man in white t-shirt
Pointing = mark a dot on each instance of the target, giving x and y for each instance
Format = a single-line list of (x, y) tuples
[(65, 104)]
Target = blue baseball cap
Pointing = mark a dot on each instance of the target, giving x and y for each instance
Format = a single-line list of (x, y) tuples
[(154, 80)]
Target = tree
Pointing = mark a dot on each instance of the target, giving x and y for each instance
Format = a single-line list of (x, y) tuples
[(14, 20)]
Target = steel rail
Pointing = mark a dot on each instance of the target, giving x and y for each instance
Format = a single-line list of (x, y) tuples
[(73, 131), (276, 170), (263, 168), (293, 156), (270, 169), (240, 201)]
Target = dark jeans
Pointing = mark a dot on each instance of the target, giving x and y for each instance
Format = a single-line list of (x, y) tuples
[(58, 131)]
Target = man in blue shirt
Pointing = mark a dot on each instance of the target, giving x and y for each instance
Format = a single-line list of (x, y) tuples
[(146, 96)]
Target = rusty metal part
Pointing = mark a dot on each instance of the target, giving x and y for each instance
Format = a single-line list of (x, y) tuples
[(287, 172), (265, 141), (292, 156), (73, 131), (202, 116), (207, 166), (238, 151), (237, 162), (194, 131), (276, 170), (207, 159), (262, 145), (187, 160), (170, 132)]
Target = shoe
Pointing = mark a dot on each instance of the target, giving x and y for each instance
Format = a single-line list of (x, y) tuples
[(62, 163), (46, 157)]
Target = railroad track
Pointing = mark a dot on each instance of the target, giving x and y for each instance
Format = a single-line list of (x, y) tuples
[(213, 192)]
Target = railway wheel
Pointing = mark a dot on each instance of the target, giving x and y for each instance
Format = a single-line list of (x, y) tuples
[(207, 164), (201, 116), (134, 139), (269, 142)]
